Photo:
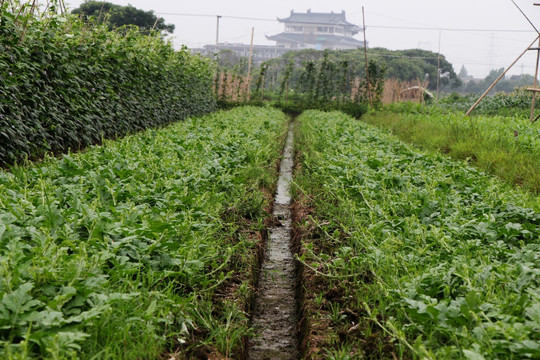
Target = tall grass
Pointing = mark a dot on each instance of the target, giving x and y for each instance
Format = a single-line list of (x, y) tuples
[(508, 147), (396, 91)]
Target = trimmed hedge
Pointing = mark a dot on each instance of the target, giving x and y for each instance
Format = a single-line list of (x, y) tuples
[(65, 84)]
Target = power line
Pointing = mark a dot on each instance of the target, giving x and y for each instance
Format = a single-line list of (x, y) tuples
[(213, 16), (448, 29), (369, 26)]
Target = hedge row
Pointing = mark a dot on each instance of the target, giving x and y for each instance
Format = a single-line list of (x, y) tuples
[(65, 84)]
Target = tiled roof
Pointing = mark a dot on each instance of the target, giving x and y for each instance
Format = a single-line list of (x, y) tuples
[(318, 18)]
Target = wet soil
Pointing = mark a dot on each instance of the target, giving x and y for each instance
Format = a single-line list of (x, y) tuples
[(275, 316)]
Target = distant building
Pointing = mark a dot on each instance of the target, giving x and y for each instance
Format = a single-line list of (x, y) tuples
[(308, 30), (313, 30)]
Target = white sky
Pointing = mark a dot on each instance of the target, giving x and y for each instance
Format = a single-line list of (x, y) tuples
[(478, 51)]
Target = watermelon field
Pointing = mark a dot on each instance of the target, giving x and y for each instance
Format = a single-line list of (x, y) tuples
[(410, 254), (137, 236), (403, 253), (146, 215)]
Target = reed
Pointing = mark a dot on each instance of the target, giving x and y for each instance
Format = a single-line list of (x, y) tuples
[(396, 91)]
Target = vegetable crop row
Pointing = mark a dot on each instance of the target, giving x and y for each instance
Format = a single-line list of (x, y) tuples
[(122, 251), (410, 254)]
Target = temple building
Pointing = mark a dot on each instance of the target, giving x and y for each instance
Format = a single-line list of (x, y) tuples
[(312, 30)]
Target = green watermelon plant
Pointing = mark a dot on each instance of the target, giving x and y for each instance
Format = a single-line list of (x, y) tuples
[(415, 255), (136, 248)]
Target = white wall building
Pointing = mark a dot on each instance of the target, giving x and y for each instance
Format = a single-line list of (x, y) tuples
[(313, 30)]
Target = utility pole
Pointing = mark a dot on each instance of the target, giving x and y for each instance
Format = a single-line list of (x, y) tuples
[(217, 30), (366, 60)]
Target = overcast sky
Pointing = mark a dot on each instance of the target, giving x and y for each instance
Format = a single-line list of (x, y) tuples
[(388, 22)]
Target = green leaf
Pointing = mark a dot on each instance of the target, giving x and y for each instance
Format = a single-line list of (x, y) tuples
[(19, 301), (151, 309), (473, 355)]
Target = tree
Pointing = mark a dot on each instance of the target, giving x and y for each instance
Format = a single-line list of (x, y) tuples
[(431, 63), (346, 65), (493, 75), (463, 73), (405, 69), (229, 60), (117, 16)]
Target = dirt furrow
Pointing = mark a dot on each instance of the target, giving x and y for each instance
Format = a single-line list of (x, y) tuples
[(275, 317)]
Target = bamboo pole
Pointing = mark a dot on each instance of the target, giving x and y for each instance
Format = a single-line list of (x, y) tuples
[(100, 12), (535, 81), (44, 13), (155, 24), (500, 77), (26, 22), (35, 5), (366, 60)]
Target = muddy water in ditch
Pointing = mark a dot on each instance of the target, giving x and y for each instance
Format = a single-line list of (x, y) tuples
[(275, 317)]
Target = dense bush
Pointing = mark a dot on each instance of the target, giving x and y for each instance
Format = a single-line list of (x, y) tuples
[(517, 103), (65, 84), (296, 107)]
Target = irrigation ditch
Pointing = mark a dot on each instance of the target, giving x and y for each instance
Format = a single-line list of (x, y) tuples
[(275, 317)]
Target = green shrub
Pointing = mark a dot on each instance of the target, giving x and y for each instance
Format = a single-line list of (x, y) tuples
[(517, 103), (297, 106), (65, 84), (354, 109)]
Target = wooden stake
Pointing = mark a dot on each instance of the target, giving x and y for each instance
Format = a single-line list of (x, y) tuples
[(100, 12), (155, 24), (249, 63), (365, 57), (535, 82), (33, 7), (44, 13), (499, 78)]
